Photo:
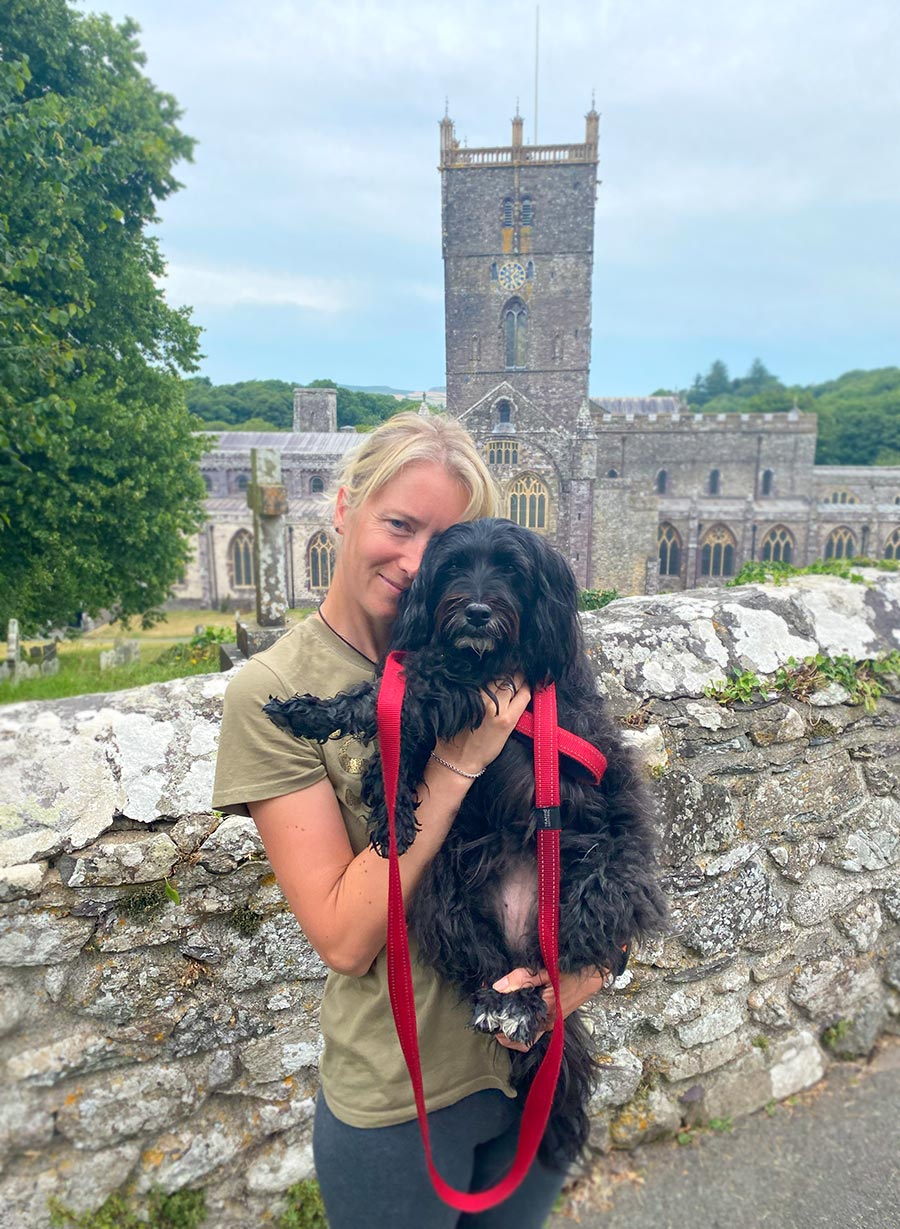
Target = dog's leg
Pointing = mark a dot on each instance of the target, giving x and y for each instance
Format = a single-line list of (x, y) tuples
[(350, 712)]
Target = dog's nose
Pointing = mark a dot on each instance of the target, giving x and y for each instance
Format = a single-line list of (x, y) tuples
[(477, 614)]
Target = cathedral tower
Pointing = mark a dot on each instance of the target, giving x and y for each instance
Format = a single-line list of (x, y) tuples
[(518, 244)]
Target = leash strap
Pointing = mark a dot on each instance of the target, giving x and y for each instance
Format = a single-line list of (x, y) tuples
[(571, 746), (540, 1095)]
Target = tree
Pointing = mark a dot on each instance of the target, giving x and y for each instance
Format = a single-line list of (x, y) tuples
[(99, 486)]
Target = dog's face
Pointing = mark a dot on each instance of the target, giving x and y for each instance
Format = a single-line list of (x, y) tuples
[(490, 588)]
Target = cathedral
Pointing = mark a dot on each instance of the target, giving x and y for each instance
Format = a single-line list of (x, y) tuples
[(641, 494)]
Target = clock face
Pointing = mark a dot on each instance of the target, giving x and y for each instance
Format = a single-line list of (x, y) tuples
[(511, 275)]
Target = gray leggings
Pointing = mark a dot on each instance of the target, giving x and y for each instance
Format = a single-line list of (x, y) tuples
[(376, 1178)]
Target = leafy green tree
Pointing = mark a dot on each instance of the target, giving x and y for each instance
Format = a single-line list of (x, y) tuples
[(99, 486)]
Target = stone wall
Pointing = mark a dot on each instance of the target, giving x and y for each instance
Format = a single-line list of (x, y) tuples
[(147, 1041)]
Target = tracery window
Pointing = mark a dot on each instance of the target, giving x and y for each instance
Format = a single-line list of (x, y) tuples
[(515, 320), (240, 557), (662, 482), (669, 550), (841, 544), (717, 550), (777, 546), (319, 560), (503, 452), (529, 502), (892, 545)]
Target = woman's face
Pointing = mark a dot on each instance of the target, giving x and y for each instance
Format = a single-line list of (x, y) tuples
[(385, 537)]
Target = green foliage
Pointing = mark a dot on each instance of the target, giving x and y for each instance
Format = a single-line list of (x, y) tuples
[(146, 900), (761, 1041), (99, 485), (596, 599), (268, 405), (201, 649), (244, 920), (866, 681), (835, 1034), (758, 573), (180, 1210), (305, 1208), (721, 1124)]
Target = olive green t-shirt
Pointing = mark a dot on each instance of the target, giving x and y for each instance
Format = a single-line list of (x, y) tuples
[(364, 1077)]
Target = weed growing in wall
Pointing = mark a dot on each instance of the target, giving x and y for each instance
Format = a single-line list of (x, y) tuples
[(596, 599), (180, 1210), (865, 681), (305, 1208), (759, 573)]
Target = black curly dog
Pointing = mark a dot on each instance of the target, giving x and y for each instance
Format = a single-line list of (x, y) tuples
[(491, 600)]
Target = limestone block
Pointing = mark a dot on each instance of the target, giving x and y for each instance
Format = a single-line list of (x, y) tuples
[(891, 970), (37, 937), (687, 1064), (126, 986), (279, 949), (75, 1052), (117, 1106), (618, 1076), (120, 857), (714, 1022), (649, 746), (234, 841), (728, 911), (645, 1118), (798, 1064), (834, 987), (190, 831), (830, 696), (891, 901), (874, 846), (202, 1027), (281, 1054), (281, 1162), (797, 859), (24, 1123), (22, 882), (81, 1181), (769, 1008), (186, 1156), (862, 924), (820, 895), (779, 724)]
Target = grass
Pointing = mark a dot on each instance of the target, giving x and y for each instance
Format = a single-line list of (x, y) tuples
[(79, 658)]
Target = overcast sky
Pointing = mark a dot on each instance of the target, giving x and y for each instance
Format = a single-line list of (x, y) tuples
[(749, 158)]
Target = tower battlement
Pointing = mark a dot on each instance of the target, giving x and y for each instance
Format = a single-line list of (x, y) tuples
[(625, 420)]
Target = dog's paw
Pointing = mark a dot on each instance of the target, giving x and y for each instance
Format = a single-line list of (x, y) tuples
[(519, 1015)]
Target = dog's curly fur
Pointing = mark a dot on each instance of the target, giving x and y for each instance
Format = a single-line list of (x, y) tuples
[(491, 600)]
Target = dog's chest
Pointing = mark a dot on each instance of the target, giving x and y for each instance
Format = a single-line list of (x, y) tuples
[(516, 899)]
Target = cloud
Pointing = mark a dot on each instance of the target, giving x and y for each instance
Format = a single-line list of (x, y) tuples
[(225, 288)]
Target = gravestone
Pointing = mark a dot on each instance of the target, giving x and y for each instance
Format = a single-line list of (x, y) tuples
[(267, 497)]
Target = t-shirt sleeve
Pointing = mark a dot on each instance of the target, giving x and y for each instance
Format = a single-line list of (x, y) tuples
[(256, 759)]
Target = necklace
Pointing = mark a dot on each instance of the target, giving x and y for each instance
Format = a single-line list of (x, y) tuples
[(344, 638)]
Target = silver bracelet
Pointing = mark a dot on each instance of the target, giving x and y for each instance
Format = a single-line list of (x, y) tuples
[(470, 776)]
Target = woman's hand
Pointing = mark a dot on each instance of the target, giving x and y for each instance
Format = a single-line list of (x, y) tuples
[(472, 750), (574, 989)]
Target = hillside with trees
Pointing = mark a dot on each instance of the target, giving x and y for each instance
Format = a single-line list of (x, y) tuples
[(268, 405), (858, 413)]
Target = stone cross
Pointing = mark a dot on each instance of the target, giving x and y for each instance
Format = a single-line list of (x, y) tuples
[(12, 644), (267, 496)]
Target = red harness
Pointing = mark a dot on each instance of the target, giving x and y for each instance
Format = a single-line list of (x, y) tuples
[(549, 742)]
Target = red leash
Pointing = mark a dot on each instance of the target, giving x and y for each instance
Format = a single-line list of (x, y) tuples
[(548, 742)]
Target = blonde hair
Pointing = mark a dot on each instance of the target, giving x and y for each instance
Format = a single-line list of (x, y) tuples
[(410, 437)]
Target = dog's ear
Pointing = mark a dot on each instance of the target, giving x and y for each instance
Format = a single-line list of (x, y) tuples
[(555, 633), (414, 620)]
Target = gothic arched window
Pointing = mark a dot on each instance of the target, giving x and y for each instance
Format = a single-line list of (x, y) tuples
[(504, 411), (527, 211), (840, 544), (316, 484), (777, 546), (768, 480), (529, 502), (714, 482), (529, 271), (240, 557), (508, 211), (841, 497), (892, 546), (669, 550), (319, 561), (662, 482), (717, 552), (515, 319)]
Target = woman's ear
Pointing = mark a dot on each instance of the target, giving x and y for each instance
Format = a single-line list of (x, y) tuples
[(340, 510)]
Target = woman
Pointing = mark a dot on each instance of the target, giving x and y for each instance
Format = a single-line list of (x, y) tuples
[(411, 478)]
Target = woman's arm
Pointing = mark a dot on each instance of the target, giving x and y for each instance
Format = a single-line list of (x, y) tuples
[(340, 900)]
